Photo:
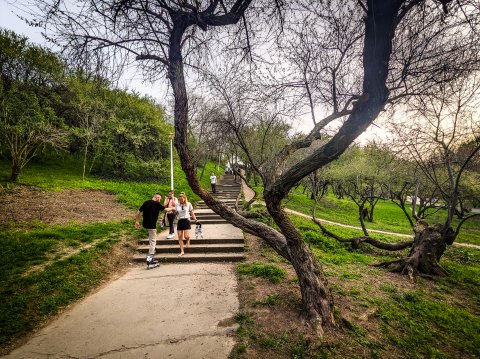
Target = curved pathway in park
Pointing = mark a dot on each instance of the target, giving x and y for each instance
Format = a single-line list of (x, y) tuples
[(249, 195)]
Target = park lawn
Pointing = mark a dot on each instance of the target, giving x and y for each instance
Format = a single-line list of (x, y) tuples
[(387, 215), (64, 172), (380, 314)]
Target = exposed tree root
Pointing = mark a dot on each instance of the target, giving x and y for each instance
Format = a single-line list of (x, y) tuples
[(426, 250), (356, 241)]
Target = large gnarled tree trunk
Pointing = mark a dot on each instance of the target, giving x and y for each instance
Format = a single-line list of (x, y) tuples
[(317, 301), (428, 246)]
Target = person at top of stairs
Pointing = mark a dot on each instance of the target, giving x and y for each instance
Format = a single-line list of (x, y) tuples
[(213, 181)]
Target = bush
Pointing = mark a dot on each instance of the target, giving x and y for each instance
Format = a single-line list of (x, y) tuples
[(136, 169)]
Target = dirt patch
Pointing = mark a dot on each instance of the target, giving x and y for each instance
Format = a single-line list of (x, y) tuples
[(22, 205)]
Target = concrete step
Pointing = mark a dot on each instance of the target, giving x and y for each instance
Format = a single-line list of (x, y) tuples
[(219, 220), (194, 257), (168, 242), (204, 206), (196, 248), (206, 214), (230, 201), (209, 220)]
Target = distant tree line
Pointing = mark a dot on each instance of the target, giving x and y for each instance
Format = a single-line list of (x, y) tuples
[(46, 106)]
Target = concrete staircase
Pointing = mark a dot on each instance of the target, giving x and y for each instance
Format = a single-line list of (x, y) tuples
[(221, 241)]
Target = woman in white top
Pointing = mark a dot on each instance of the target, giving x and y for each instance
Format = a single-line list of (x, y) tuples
[(184, 212)]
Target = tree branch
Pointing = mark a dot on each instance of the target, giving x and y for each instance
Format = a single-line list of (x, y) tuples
[(356, 241)]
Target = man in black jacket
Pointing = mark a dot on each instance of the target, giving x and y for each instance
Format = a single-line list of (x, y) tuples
[(150, 210)]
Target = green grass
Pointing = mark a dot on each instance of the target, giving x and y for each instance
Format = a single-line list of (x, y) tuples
[(440, 323), (330, 251), (269, 271), (435, 318), (22, 249), (28, 297), (269, 301), (424, 328), (66, 173), (387, 216)]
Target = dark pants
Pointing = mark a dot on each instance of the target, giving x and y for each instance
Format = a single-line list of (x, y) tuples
[(171, 218), (213, 187)]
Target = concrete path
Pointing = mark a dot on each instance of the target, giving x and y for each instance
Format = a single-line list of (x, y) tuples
[(173, 311)]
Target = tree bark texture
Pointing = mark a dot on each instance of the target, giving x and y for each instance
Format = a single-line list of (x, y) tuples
[(15, 172), (317, 300), (424, 256)]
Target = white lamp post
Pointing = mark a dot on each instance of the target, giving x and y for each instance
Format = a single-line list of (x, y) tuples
[(171, 160)]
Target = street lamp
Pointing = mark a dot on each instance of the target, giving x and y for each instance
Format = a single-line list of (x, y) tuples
[(171, 134)]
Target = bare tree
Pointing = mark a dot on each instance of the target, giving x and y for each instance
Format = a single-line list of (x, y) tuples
[(167, 35), (445, 119)]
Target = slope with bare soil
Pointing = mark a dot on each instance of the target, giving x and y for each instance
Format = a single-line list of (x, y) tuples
[(24, 204)]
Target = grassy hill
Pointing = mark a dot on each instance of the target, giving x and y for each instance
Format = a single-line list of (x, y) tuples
[(45, 267), (387, 215)]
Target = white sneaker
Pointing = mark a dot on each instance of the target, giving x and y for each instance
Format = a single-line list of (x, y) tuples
[(170, 236)]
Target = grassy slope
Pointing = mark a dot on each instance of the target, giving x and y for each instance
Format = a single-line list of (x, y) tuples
[(66, 173), (426, 319), (29, 296), (387, 215)]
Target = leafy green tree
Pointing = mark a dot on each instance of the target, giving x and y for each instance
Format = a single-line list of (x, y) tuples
[(30, 76), (134, 141), (26, 126), (363, 174), (89, 113)]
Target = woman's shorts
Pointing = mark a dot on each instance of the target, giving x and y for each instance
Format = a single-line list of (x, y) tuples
[(183, 224)]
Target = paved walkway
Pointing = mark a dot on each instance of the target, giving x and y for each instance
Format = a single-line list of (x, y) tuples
[(173, 311)]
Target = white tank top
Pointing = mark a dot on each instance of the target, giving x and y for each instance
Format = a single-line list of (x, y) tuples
[(183, 211)]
